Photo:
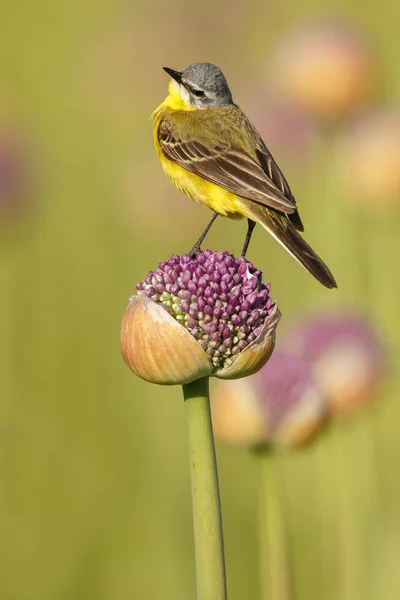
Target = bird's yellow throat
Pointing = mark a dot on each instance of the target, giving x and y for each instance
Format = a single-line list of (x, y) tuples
[(175, 100)]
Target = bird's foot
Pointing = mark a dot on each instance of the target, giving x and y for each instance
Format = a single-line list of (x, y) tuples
[(195, 250), (251, 225)]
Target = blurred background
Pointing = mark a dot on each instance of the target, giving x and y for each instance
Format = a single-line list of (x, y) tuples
[(94, 480)]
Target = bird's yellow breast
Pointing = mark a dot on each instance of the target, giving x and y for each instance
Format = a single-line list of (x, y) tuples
[(201, 190), (193, 186)]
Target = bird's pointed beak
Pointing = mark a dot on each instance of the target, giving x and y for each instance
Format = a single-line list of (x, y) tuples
[(177, 75)]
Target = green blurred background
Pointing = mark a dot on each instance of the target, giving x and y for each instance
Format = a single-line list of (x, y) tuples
[(94, 480)]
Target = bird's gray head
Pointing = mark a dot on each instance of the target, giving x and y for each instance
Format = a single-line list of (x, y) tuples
[(202, 85)]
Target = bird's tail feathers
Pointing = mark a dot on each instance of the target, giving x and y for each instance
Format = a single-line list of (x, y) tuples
[(285, 233)]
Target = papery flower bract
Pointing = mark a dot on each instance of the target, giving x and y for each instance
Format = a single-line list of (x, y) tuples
[(206, 315), (326, 68), (346, 355), (279, 405)]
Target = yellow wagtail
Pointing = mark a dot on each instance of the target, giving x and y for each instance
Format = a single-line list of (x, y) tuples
[(212, 153)]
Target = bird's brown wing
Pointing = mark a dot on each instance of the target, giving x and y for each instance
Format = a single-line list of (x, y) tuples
[(229, 167), (275, 174)]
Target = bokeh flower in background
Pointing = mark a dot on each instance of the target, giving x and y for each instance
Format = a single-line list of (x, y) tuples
[(327, 69), (279, 405), (346, 354), (13, 172), (288, 132), (368, 158), (200, 316)]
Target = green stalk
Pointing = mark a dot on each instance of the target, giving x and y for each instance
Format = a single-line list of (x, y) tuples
[(207, 522), (275, 571), (328, 516)]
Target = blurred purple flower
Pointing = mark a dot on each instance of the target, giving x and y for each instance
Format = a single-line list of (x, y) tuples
[(12, 174), (346, 355), (280, 404)]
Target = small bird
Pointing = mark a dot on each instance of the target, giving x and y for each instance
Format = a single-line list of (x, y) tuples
[(213, 154)]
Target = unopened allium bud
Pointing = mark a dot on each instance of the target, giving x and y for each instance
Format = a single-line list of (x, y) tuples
[(206, 315), (280, 404), (346, 355), (369, 159), (327, 69)]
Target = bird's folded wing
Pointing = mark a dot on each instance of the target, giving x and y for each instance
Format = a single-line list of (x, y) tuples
[(229, 167)]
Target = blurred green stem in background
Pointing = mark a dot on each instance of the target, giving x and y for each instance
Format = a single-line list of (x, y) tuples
[(275, 571), (207, 521)]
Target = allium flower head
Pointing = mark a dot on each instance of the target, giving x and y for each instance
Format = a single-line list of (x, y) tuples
[(281, 405), (220, 300), (222, 303), (346, 355)]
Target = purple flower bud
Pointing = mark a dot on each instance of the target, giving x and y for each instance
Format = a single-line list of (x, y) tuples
[(242, 270), (215, 277), (160, 287), (252, 298), (229, 261), (218, 312), (226, 333), (190, 323)]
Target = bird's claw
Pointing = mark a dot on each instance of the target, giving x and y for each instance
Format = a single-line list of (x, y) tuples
[(195, 250)]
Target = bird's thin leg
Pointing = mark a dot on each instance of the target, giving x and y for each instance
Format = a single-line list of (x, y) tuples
[(196, 247), (250, 227)]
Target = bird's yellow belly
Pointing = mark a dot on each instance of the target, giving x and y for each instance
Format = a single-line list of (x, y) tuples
[(201, 190)]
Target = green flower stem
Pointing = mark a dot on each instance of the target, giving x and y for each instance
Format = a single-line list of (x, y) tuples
[(275, 569), (354, 471), (329, 518), (207, 522)]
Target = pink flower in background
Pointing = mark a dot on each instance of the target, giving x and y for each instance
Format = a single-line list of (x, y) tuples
[(345, 353), (327, 69), (280, 405), (369, 158), (13, 171)]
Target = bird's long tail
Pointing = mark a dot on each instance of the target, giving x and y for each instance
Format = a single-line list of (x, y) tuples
[(283, 231)]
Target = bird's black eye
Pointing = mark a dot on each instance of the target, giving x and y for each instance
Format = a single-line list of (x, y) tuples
[(198, 93)]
